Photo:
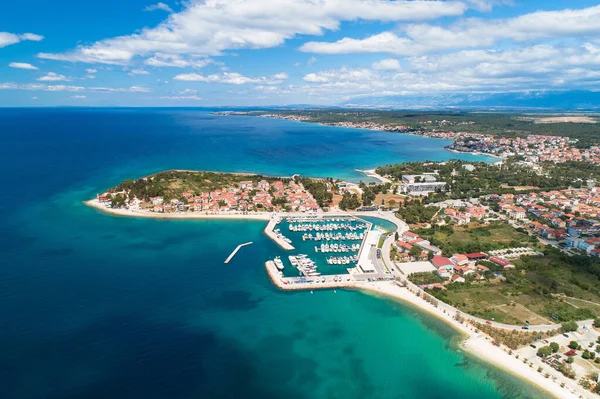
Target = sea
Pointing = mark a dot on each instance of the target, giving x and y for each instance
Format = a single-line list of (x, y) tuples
[(99, 306)]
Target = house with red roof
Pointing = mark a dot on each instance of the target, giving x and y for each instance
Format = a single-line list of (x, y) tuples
[(502, 262), (476, 256)]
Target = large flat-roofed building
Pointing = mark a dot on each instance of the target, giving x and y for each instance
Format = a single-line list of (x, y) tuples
[(421, 184)]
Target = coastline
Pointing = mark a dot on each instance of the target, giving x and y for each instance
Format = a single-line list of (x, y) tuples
[(473, 343), (386, 131), (180, 216)]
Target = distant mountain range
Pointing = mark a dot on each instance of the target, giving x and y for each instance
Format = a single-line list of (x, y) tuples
[(575, 100)]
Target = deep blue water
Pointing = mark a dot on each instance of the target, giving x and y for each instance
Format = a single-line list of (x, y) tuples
[(95, 306)]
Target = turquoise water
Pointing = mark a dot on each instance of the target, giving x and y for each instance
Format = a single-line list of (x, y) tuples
[(95, 306)]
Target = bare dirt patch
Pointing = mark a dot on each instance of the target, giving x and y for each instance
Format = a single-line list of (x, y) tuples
[(561, 119)]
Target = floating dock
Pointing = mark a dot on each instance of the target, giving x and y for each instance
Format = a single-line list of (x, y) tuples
[(235, 251)]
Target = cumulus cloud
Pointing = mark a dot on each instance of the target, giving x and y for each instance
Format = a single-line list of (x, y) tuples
[(53, 77), (91, 70), (22, 65), (538, 67), (231, 78), (170, 60), (388, 64), (470, 33), (139, 72), (158, 6), (209, 27), (6, 38), (44, 87)]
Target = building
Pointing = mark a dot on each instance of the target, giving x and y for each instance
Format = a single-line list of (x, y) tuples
[(502, 262), (421, 184)]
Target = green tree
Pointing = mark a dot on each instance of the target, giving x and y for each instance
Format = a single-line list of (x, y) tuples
[(569, 326), (544, 351), (573, 345), (554, 346)]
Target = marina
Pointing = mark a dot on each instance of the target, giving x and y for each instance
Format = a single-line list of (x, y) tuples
[(323, 244), (235, 251)]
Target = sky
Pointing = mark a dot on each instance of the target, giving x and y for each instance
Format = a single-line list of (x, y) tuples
[(284, 52)]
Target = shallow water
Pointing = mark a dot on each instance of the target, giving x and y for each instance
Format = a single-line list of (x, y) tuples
[(96, 306)]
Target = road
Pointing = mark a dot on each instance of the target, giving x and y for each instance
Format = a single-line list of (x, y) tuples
[(386, 257)]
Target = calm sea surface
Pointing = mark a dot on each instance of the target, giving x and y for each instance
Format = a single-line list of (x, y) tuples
[(94, 306)]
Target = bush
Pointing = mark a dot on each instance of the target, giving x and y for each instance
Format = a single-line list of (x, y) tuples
[(544, 351), (555, 347), (569, 326), (573, 345)]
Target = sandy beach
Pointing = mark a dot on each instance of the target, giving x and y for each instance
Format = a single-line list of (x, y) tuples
[(480, 345)]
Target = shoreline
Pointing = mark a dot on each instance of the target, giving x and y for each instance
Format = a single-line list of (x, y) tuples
[(385, 131), (473, 343), (179, 216)]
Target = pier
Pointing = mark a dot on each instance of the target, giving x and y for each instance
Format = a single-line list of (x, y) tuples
[(309, 283), (235, 251), (269, 231)]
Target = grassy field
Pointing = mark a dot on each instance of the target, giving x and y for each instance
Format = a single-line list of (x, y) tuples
[(476, 237), (541, 290)]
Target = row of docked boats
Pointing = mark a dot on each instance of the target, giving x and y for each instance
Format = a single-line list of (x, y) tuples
[(352, 236), (280, 236), (326, 226), (341, 260), (327, 248), (305, 265)]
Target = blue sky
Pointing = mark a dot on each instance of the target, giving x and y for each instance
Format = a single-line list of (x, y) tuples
[(277, 52)]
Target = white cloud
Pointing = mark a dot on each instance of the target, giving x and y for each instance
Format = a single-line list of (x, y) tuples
[(196, 98), (388, 64), (158, 6), (207, 28), (43, 87), (21, 65), (53, 77), (314, 78), (132, 89), (139, 72), (470, 33), (538, 67), (6, 38), (386, 42), (91, 71), (170, 60), (78, 97), (231, 78)]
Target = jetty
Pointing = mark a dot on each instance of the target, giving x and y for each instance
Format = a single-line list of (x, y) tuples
[(235, 251), (278, 238), (309, 283)]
